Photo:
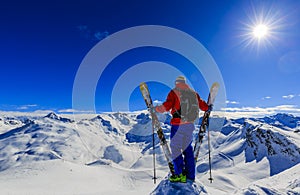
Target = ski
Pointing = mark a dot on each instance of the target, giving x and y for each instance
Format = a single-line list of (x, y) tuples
[(157, 127), (205, 120)]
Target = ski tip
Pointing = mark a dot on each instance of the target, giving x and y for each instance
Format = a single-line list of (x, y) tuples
[(215, 84), (143, 85)]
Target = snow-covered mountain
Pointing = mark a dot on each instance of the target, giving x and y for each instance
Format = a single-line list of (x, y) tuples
[(111, 153)]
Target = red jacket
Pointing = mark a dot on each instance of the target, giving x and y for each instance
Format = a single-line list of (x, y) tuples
[(173, 103)]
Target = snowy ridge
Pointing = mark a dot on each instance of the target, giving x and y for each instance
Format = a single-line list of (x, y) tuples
[(191, 188), (7, 123), (247, 150), (288, 182), (249, 155)]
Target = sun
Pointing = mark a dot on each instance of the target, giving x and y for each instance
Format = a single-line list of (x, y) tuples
[(260, 31), (262, 27), (258, 34)]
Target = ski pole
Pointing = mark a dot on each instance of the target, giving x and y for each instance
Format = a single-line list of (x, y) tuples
[(153, 145), (208, 139)]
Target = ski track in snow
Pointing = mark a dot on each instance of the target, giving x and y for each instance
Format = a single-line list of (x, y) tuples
[(228, 158), (111, 153)]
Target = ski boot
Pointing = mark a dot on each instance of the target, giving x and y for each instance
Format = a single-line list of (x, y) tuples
[(178, 178)]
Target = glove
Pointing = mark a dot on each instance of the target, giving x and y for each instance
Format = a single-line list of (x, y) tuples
[(210, 107)]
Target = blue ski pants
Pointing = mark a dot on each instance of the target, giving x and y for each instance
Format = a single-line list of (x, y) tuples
[(182, 150)]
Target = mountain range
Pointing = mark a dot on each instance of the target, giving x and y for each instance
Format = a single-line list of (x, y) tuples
[(111, 153)]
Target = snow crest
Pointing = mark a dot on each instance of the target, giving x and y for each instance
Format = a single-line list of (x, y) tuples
[(168, 188)]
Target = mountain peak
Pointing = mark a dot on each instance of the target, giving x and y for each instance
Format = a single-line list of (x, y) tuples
[(54, 116), (167, 187), (282, 120)]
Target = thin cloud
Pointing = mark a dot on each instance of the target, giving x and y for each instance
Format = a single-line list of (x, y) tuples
[(92, 35), (232, 102), (266, 98), (291, 96), (100, 35), (22, 108), (292, 109), (75, 111), (43, 111), (26, 107), (243, 109)]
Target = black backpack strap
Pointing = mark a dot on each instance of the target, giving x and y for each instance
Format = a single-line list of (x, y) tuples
[(177, 113)]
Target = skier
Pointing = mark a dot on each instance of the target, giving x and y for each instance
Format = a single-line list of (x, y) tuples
[(181, 133)]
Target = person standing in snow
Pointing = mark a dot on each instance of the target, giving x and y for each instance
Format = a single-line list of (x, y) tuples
[(181, 133)]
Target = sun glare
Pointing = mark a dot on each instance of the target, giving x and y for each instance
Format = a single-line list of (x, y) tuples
[(260, 31), (262, 26)]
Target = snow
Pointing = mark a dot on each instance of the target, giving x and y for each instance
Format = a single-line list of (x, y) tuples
[(190, 188), (62, 177), (287, 182), (111, 153)]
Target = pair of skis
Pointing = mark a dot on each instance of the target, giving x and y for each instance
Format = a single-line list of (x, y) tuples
[(156, 126)]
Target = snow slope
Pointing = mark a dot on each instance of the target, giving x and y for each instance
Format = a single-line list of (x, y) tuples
[(287, 182), (190, 187), (111, 153)]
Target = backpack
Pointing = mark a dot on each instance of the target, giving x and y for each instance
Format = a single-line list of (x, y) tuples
[(189, 107)]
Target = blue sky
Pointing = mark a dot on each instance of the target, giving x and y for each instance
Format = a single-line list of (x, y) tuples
[(44, 43)]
